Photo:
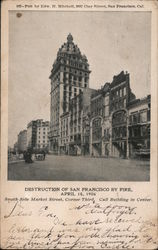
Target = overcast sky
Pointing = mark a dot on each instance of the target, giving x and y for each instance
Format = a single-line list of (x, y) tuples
[(112, 42)]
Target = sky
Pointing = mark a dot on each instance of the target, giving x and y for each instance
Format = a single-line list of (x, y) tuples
[(112, 42)]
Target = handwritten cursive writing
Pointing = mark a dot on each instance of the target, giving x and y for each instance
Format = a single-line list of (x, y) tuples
[(92, 226)]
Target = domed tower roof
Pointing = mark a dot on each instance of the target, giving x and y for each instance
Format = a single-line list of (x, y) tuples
[(69, 38), (70, 48)]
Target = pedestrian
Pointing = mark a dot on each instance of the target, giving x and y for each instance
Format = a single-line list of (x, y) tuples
[(24, 155), (44, 155)]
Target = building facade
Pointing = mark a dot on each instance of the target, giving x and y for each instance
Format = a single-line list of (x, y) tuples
[(95, 122), (37, 134), (120, 123), (31, 134), (42, 141), (100, 122), (120, 97), (139, 128), (79, 131), (22, 141), (69, 76)]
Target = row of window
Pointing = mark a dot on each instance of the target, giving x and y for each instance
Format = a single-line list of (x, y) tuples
[(64, 141), (97, 111), (118, 93), (102, 111), (63, 122), (119, 117), (65, 133), (74, 74), (118, 104), (69, 56), (64, 130), (43, 136), (142, 131), (76, 84), (119, 132), (42, 133), (140, 117), (70, 89), (65, 95), (75, 64), (98, 102), (56, 77), (43, 127)]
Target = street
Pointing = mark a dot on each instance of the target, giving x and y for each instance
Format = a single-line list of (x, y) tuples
[(72, 168)]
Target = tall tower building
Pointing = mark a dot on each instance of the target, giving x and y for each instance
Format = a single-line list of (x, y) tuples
[(69, 76)]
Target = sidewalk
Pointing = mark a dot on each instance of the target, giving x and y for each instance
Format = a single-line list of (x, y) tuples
[(15, 161)]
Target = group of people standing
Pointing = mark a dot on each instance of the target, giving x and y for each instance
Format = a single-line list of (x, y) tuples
[(28, 156)]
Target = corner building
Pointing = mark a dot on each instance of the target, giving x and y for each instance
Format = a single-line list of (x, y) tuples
[(139, 127), (37, 134), (69, 76)]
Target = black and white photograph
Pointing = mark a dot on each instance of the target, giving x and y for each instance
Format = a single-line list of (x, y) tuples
[(79, 96), (79, 110)]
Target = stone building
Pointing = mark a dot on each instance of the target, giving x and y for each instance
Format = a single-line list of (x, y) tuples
[(100, 122), (110, 111), (95, 122), (22, 141), (120, 123), (42, 141), (79, 111), (139, 127), (69, 76), (37, 134), (120, 97)]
